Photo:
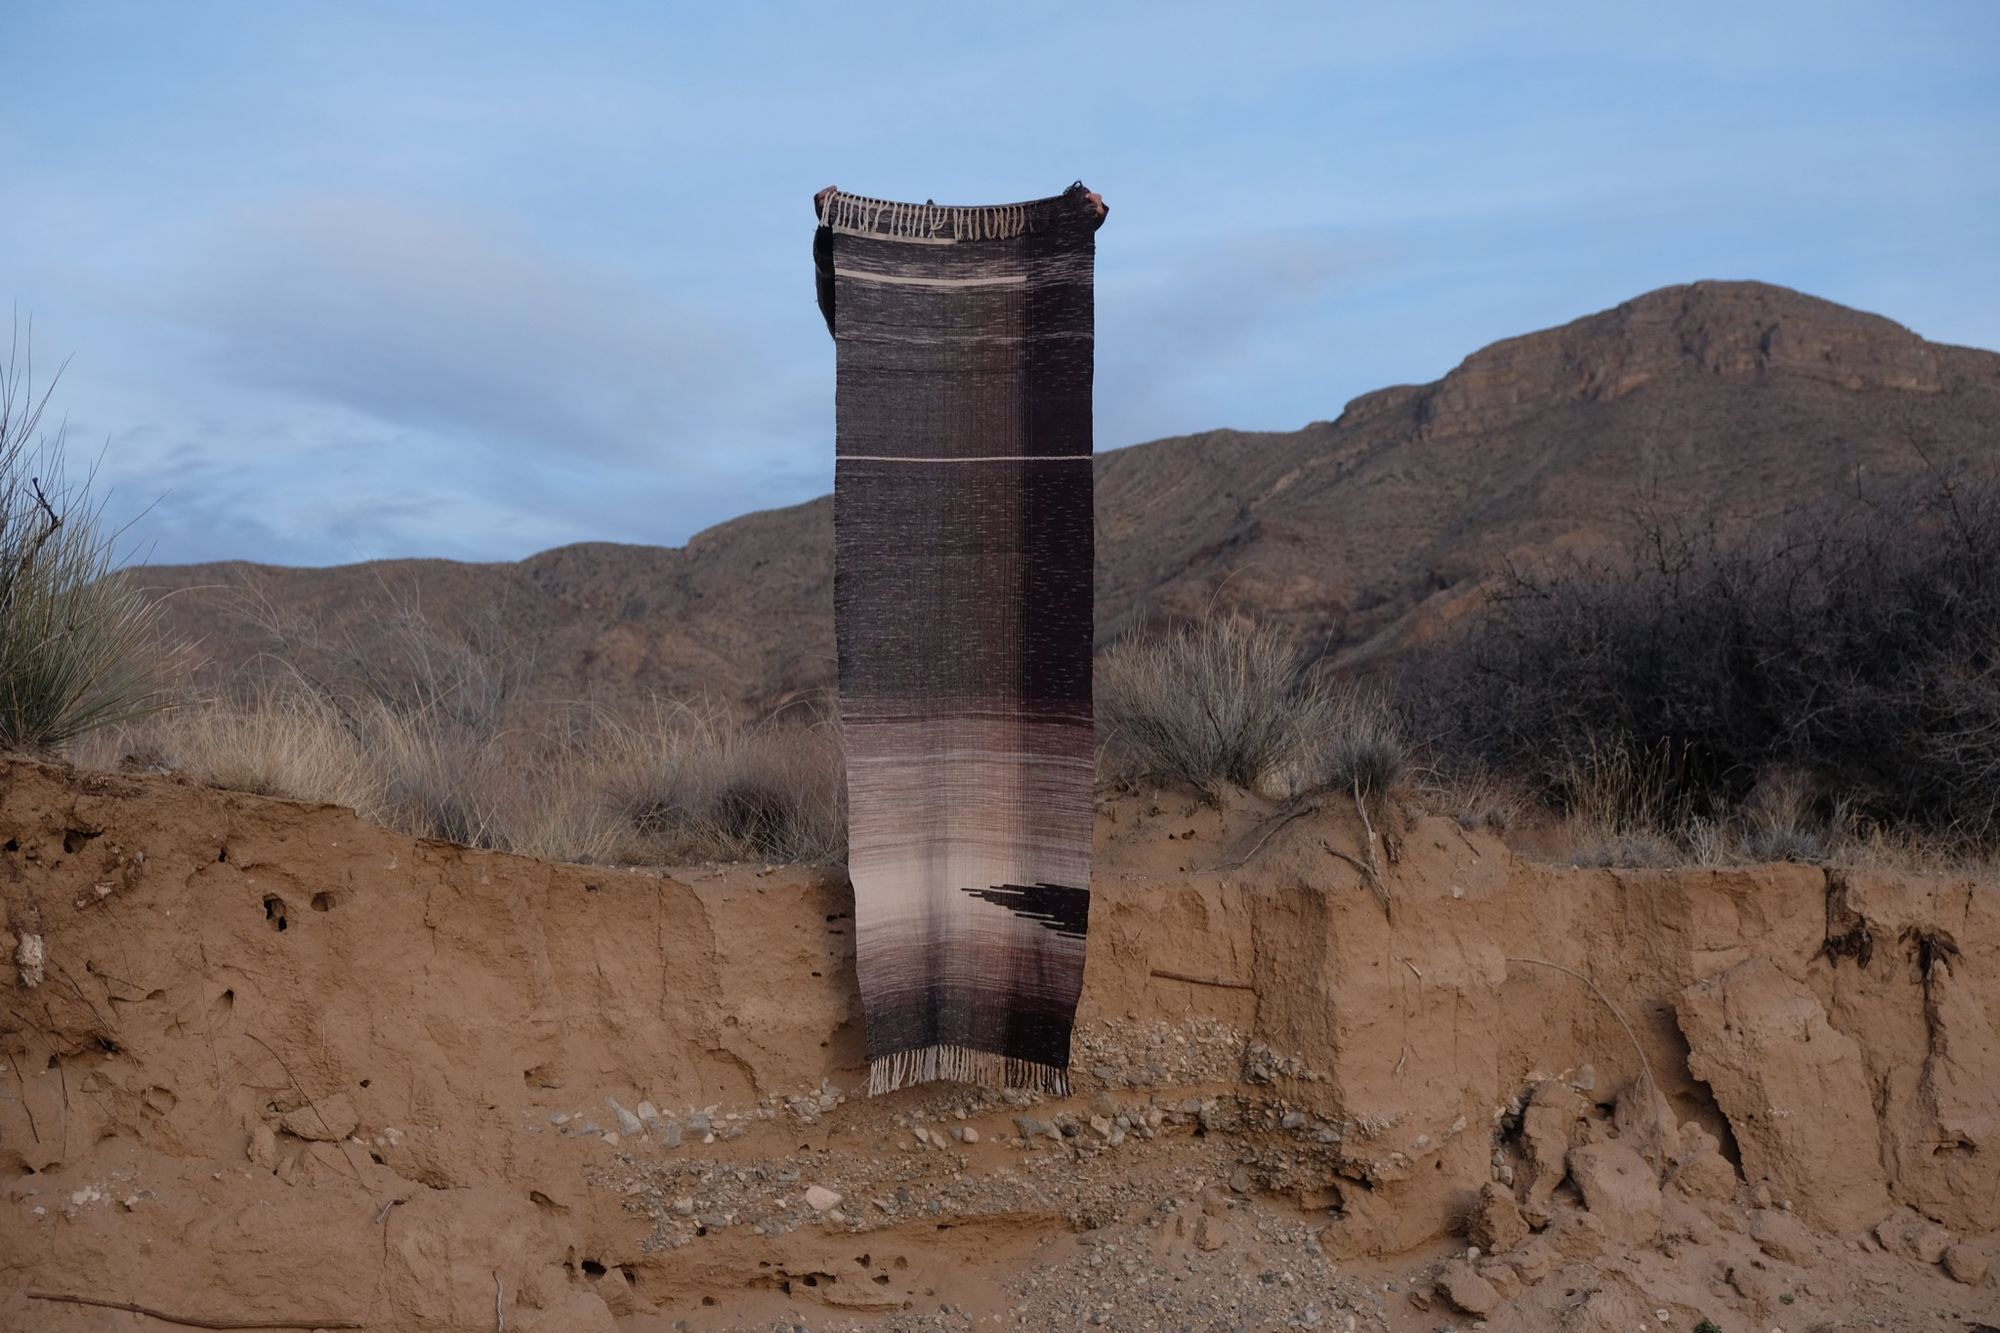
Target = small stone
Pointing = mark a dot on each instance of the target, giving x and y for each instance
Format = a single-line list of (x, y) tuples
[(669, 1134), (684, 1206), (629, 1123), (700, 1123), (1496, 1223), (1619, 1189), (1966, 1263), (1754, 1284), (1779, 1235), (328, 1120), (1914, 1238), (1585, 1078), (263, 1147), (1760, 1197), (821, 1199), (1292, 1120), (1467, 1290)]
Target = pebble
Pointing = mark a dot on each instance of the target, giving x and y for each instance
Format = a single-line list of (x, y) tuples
[(821, 1199), (629, 1123)]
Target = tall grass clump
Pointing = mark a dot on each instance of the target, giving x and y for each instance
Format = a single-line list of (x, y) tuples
[(78, 648), (1215, 703), (1206, 704), (1825, 673), (690, 781)]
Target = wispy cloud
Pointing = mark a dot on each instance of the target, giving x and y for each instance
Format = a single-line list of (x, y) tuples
[(456, 325), (472, 280)]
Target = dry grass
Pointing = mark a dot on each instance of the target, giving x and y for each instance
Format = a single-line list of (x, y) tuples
[(682, 783), (1208, 704)]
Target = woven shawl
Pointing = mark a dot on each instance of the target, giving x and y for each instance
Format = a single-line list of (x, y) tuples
[(962, 599)]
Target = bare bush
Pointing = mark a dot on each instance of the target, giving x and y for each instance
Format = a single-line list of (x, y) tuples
[(1360, 748), (1206, 704), (1860, 649)]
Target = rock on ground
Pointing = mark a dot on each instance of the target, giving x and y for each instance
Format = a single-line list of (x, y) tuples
[(1793, 1088)]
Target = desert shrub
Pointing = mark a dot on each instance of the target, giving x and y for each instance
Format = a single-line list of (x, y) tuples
[(1360, 747), (1206, 704), (78, 649), (692, 781), (1861, 649)]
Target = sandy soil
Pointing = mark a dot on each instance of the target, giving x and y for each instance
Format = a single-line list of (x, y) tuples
[(262, 1061)]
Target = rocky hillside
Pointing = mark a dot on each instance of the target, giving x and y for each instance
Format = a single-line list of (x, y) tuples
[(1731, 399)]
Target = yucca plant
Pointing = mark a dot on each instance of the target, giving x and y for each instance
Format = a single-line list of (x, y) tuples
[(77, 645)]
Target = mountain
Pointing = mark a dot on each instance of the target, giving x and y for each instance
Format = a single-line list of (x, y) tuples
[(1360, 534)]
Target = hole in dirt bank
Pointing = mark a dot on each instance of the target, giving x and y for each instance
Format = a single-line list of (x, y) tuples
[(275, 911), (366, 1082), (324, 901), (631, 1278), (378, 1159), (592, 1268), (11, 845), (76, 839), (107, 1045), (222, 854), (541, 1200), (708, 1300)]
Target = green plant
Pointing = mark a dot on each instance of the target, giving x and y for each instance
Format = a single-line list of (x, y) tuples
[(78, 648)]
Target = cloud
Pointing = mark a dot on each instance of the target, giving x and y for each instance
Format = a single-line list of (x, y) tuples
[(454, 324), (1188, 335)]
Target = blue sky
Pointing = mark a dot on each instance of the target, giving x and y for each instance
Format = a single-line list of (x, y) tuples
[(356, 280)]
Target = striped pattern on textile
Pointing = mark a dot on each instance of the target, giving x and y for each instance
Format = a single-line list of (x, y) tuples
[(962, 598)]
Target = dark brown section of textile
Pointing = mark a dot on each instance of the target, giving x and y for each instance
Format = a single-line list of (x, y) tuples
[(962, 595)]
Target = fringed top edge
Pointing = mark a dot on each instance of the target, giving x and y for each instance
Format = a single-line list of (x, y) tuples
[(862, 215)]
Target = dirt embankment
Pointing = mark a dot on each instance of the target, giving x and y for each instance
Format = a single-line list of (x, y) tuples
[(265, 1061)]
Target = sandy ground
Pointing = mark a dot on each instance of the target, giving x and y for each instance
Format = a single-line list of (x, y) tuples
[(262, 1061)]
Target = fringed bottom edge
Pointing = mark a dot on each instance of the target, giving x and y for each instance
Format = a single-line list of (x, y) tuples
[(963, 1064)]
